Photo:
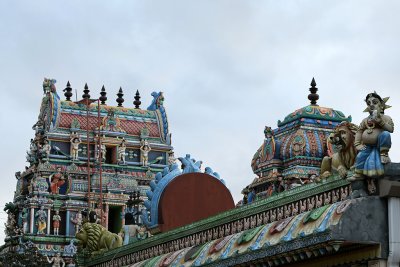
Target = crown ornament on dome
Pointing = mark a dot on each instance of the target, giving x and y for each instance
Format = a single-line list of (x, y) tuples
[(313, 97)]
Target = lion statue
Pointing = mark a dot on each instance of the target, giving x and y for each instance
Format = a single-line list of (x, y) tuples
[(96, 239), (342, 142)]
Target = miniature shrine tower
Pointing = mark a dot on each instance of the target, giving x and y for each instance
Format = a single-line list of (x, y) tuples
[(291, 154)]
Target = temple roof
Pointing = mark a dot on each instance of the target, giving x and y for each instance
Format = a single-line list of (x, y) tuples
[(132, 120), (61, 116)]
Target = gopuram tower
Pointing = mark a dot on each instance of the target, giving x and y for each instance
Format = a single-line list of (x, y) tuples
[(86, 159)]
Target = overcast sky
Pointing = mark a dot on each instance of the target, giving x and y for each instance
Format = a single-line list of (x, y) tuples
[(227, 68)]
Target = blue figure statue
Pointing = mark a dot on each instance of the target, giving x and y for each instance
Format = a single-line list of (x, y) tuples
[(372, 139), (251, 197)]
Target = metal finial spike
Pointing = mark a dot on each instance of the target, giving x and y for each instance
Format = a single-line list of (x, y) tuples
[(313, 83), (313, 97), (103, 95), (137, 101), (86, 91), (120, 100), (68, 92)]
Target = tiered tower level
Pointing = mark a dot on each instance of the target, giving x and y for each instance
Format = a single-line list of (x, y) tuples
[(86, 156)]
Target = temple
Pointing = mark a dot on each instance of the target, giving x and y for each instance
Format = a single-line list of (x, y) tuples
[(103, 185)]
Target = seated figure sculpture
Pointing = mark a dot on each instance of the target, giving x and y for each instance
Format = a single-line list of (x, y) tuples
[(372, 139)]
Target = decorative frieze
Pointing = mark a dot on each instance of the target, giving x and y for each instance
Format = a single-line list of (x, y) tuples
[(268, 215)]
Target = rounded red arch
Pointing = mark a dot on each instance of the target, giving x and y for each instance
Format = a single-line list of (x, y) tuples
[(191, 197)]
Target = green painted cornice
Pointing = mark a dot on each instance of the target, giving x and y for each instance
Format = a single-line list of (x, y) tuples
[(48, 239)]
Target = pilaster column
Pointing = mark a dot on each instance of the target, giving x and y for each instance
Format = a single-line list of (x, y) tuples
[(394, 231), (67, 220), (32, 220), (48, 221), (107, 211)]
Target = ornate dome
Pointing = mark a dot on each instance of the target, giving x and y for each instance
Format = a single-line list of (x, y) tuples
[(296, 148), (304, 132)]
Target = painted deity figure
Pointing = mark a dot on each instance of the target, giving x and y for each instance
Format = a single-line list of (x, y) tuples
[(33, 185), (10, 226), (142, 233), (56, 222), (251, 197), (313, 178), (45, 151), (57, 180), (103, 151), (33, 147), (77, 221), (75, 141), (145, 149), (271, 189), (171, 158), (112, 122), (101, 216), (41, 218), (57, 261), (48, 87), (267, 150), (31, 155), (122, 151), (24, 219), (372, 139)]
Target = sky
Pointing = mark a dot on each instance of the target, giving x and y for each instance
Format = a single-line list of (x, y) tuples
[(227, 68)]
